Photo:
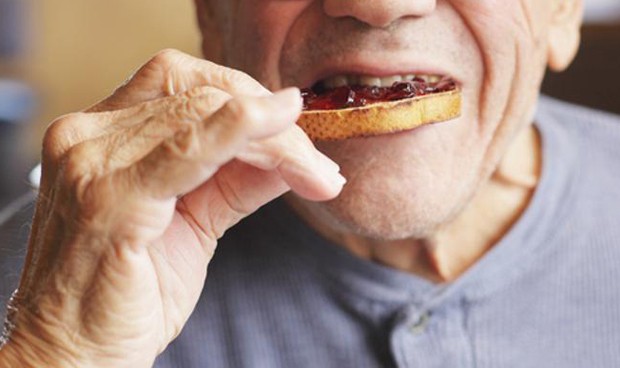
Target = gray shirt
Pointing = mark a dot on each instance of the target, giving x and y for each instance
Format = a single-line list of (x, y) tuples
[(547, 295)]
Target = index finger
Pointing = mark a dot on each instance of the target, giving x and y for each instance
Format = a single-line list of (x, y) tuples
[(171, 72)]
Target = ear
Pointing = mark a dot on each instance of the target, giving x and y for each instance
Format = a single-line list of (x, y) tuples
[(212, 44), (564, 33)]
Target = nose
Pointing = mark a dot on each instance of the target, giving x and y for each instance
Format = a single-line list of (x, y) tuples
[(378, 13)]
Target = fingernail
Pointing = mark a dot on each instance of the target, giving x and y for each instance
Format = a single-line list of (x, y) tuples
[(328, 163), (337, 179), (287, 97)]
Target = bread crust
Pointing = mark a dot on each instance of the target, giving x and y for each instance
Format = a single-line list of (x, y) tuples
[(381, 118)]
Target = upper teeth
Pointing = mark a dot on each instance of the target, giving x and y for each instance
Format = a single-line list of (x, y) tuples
[(367, 80)]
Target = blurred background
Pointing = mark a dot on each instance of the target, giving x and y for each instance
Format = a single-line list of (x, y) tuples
[(594, 78), (59, 56), (62, 55)]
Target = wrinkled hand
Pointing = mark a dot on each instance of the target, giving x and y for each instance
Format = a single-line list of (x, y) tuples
[(135, 193)]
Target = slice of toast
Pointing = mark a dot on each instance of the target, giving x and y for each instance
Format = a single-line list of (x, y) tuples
[(381, 117)]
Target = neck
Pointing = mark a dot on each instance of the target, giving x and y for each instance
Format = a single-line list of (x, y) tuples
[(457, 245)]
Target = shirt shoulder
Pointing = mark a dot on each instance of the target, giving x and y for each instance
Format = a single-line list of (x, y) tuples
[(590, 128), (589, 141)]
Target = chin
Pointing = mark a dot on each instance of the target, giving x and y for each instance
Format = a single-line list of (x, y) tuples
[(405, 185), (387, 205), (381, 218)]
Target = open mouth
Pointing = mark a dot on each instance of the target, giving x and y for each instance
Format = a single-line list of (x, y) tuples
[(350, 91), (340, 107)]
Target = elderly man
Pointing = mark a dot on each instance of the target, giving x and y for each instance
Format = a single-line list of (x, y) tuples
[(486, 241)]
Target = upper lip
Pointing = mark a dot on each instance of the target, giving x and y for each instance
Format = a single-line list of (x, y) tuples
[(377, 69)]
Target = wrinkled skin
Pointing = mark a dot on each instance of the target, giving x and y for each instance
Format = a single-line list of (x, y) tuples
[(409, 184), (134, 195), (137, 190)]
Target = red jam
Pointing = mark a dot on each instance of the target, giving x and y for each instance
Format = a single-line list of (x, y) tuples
[(318, 98)]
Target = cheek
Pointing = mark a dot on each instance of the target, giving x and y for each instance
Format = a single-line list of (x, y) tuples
[(508, 36), (260, 30), (510, 39)]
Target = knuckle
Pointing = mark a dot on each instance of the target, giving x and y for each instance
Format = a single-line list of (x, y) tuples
[(184, 144), (234, 76), (166, 57), (181, 110), (61, 134), (185, 111), (82, 178), (208, 105), (198, 104), (292, 146), (166, 62), (209, 97), (276, 153), (237, 79), (92, 199), (77, 161), (201, 91), (243, 114), (285, 149)]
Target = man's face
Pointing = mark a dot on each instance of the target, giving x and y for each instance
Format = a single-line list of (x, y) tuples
[(406, 184)]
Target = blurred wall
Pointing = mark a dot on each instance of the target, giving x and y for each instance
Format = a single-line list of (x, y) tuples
[(594, 77), (80, 50), (601, 11)]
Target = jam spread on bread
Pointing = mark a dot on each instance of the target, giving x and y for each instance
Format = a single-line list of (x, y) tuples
[(319, 98)]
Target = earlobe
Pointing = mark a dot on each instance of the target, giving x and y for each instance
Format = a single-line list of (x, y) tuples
[(564, 34), (563, 47)]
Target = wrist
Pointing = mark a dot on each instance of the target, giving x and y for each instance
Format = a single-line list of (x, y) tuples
[(22, 352), (33, 340), (12, 356), (29, 343), (9, 357)]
